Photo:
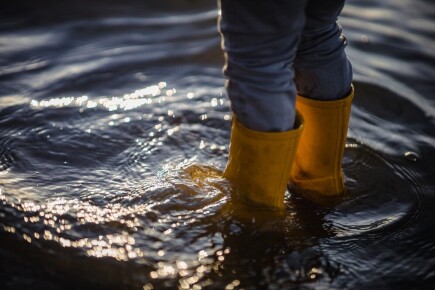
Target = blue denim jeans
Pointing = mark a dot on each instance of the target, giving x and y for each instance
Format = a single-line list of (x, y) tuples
[(277, 49)]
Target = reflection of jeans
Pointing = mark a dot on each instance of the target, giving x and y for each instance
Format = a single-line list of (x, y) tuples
[(275, 48)]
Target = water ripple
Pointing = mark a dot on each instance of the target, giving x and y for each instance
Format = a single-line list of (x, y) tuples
[(114, 131)]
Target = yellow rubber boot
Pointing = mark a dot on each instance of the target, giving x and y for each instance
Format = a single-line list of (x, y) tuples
[(317, 170), (259, 163)]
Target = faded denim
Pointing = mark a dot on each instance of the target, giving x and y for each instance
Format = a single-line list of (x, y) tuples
[(279, 48)]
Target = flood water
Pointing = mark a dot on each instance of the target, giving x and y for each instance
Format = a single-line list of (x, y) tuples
[(113, 112)]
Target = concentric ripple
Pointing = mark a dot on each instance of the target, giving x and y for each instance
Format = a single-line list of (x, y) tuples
[(114, 131)]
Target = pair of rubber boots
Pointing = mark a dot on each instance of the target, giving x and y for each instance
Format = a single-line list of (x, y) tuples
[(261, 164)]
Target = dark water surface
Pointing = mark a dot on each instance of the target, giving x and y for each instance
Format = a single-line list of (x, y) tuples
[(112, 112)]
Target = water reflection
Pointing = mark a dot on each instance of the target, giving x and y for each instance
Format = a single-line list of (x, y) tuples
[(141, 97), (180, 228), (120, 188)]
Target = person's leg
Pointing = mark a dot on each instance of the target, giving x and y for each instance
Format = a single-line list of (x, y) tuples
[(260, 40), (323, 79), (322, 69)]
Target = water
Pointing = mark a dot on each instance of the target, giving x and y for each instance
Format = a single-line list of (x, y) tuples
[(113, 114)]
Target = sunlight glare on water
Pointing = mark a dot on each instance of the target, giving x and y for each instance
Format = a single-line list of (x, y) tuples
[(127, 102)]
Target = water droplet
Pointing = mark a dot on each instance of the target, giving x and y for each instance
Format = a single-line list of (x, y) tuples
[(411, 156)]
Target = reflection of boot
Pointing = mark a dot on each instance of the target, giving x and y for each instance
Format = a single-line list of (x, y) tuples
[(317, 171), (259, 163)]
